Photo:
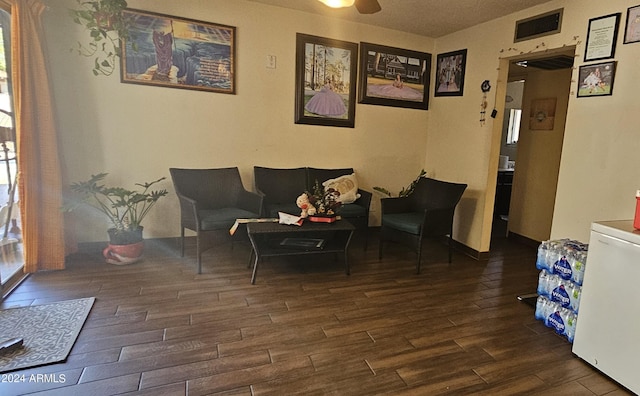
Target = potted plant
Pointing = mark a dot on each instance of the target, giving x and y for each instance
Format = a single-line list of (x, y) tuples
[(106, 25), (124, 208), (406, 191)]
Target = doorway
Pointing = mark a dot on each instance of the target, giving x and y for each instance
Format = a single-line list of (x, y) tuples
[(530, 186)]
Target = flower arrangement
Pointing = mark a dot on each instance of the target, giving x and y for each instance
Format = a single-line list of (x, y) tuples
[(322, 202)]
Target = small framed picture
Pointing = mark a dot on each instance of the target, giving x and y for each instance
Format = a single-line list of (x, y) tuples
[(632, 29), (326, 83), (450, 73), (601, 37), (596, 79), (394, 76)]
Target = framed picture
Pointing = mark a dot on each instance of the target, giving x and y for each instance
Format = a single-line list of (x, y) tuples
[(596, 79), (450, 69), (601, 37), (394, 76), (632, 29), (326, 72), (174, 52)]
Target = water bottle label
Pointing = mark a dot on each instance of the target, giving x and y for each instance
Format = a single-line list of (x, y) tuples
[(555, 322), (560, 295), (562, 268)]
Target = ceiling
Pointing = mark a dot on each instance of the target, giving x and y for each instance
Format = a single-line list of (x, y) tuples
[(430, 18)]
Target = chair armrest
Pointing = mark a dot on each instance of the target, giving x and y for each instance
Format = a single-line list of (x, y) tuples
[(188, 212), (250, 201), (395, 205), (364, 200)]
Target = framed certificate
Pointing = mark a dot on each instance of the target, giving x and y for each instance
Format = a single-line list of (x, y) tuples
[(601, 37)]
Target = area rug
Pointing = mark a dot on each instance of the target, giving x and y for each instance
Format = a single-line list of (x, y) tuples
[(48, 330)]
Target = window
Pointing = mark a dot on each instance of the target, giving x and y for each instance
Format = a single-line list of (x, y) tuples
[(514, 126)]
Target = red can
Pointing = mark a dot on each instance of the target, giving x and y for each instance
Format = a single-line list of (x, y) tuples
[(636, 219)]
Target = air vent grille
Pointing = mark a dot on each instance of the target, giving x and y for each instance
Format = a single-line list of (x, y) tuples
[(538, 26)]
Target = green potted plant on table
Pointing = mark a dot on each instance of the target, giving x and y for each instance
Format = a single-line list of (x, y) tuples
[(124, 208)]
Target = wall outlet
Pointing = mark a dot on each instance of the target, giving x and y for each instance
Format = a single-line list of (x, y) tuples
[(271, 61)]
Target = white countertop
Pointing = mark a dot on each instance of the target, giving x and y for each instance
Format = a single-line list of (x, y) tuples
[(621, 229)]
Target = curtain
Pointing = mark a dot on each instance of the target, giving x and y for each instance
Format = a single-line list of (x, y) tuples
[(39, 176)]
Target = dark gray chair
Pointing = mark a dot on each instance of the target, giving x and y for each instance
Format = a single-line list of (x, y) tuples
[(427, 212), (210, 201), (280, 187)]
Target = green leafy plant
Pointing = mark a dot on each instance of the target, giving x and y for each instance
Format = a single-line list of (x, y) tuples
[(406, 191), (107, 26), (124, 208)]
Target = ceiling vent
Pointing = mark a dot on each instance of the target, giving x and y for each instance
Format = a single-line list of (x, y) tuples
[(538, 26)]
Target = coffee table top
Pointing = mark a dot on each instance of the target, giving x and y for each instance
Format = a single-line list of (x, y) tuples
[(267, 228)]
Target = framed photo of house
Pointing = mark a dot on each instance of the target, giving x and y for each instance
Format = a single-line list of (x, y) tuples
[(602, 35), (450, 68), (632, 28), (394, 77), (596, 79), (173, 52), (326, 71)]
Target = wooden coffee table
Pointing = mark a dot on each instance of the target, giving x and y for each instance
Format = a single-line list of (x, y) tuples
[(267, 238)]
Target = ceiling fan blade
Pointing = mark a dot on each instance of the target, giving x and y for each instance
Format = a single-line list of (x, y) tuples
[(368, 6)]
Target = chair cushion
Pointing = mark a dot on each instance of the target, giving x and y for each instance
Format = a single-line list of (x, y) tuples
[(218, 219), (407, 222), (352, 210), (290, 208)]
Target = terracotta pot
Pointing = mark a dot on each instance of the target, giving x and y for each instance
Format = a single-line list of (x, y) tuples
[(123, 254)]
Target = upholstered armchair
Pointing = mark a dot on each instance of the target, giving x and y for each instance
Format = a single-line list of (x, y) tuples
[(427, 212), (210, 201), (280, 187)]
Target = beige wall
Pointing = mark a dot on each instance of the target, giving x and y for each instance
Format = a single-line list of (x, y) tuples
[(136, 133), (539, 152), (599, 172)]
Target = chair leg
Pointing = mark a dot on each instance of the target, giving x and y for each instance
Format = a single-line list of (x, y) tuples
[(419, 257), (199, 253), (380, 249), (182, 242), (450, 247), (366, 238)]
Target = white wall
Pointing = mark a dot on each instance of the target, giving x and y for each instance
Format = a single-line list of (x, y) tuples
[(137, 132)]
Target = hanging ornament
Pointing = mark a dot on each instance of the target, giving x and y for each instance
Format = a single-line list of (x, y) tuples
[(485, 87)]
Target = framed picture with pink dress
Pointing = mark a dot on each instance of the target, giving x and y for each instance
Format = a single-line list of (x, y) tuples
[(394, 76), (326, 71)]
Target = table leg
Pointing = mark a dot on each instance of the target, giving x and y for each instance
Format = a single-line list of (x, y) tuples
[(255, 270), (346, 254)]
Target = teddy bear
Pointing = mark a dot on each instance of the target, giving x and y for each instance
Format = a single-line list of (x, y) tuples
[(305, 205)]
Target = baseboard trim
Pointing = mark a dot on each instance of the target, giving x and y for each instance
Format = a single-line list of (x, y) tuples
[(523, 239), (473, 253)]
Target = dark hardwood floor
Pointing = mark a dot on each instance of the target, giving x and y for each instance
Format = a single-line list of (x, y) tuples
[(305, 327)]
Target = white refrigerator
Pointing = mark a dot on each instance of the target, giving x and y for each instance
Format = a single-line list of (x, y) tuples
[(608, 327)]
